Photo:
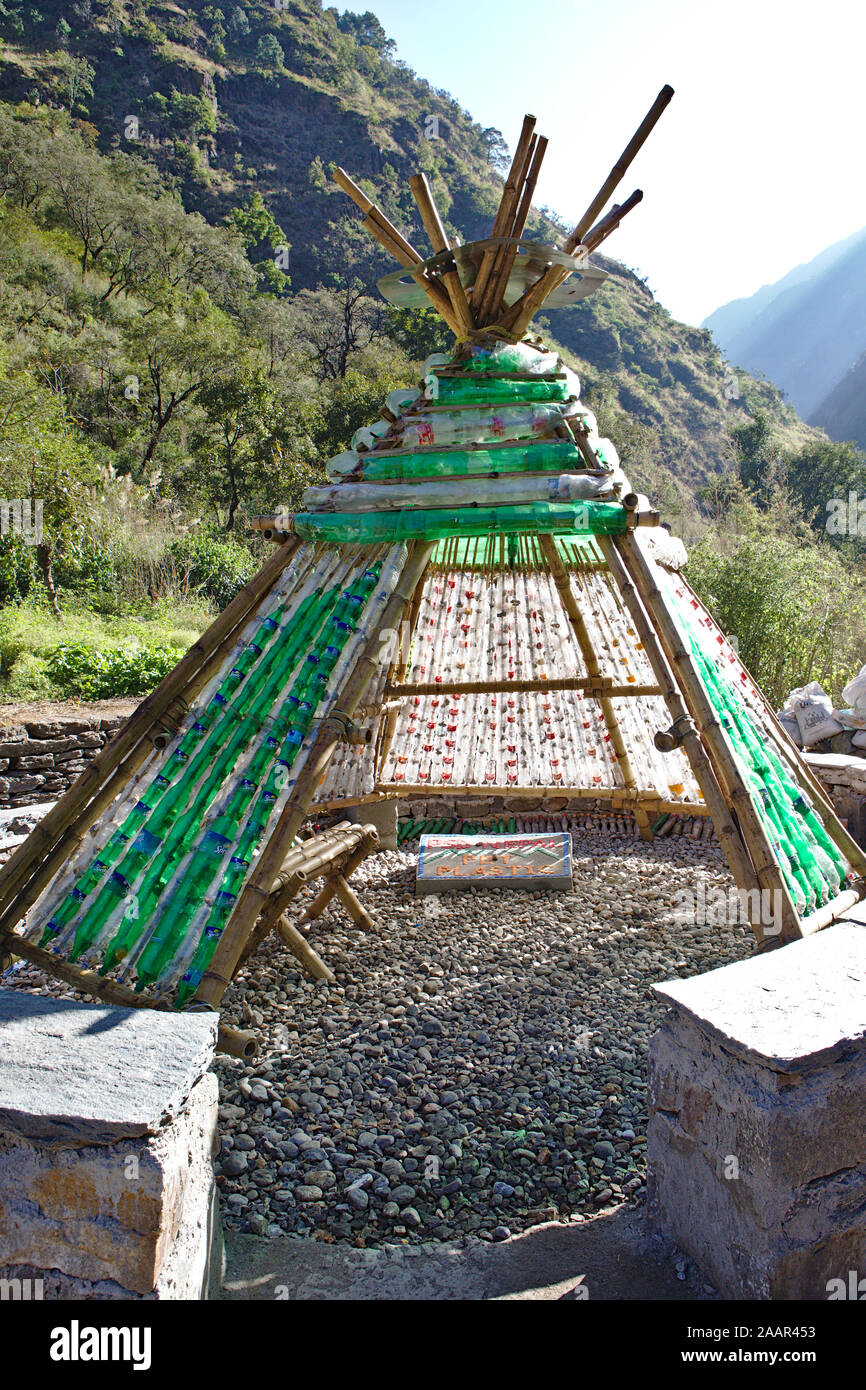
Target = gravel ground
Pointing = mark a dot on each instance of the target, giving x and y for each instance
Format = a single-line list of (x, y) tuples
[(479, 1067)]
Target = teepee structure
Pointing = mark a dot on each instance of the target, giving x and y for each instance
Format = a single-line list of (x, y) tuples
[(475, 603)]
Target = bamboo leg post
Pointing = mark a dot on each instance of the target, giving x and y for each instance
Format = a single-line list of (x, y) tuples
[(344, 872), (256, 897), (68, 810), (569, 602), (753, 832), (353, 905), (729, 837), (303, 951)]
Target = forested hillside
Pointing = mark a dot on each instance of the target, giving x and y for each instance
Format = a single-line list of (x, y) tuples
[(189, 325)]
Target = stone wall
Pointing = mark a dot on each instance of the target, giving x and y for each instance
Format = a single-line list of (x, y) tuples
[(756, 1147), (107, 1127), (41, 754)]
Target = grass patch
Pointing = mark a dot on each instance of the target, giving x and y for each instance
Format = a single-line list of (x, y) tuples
[(30, 668)]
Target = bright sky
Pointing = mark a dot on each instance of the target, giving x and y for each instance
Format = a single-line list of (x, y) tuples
[(755, 167)]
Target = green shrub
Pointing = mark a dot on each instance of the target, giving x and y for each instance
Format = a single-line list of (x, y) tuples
[(17, 569), (82, 671), (215, 568)]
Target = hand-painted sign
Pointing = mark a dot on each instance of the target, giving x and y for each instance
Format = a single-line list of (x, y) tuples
[(540, 862)]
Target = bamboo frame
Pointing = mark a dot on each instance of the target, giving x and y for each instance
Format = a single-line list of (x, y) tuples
[(716, 804), (256, 897), (701, 710), (48, 845)]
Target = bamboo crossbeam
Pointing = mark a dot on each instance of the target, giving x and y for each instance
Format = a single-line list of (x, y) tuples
[(423, 195), (751, 828), (617, 797), (835, 908), (504, 214), (602, 685), (256, 897), (74, 806)]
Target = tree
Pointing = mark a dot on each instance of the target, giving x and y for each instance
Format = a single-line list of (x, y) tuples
[(796, 609), (44, 461), (269, 52), (367, 31), (338, 323), (237, 440), (75, 77), (239, 25), (260, 232)]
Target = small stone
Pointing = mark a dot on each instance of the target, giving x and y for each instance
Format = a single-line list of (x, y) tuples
[(357, 1197), (501, 1233), (308, 1192), (234, 1164)]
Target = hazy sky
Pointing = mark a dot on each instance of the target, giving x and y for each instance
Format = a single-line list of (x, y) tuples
[(756, 166)]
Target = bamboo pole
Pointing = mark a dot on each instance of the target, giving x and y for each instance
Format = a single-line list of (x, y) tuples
[(620, 168), (423, 195), (498, 284), (504, 214), (752, 829), (520, 314), (393, 241), (303, 951), (488, 304), (434, 292), (716, 805), (566, 594), (602, 230), (256, 897), (70, 809)]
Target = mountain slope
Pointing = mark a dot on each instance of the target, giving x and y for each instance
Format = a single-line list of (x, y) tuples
[(805, 331), (226, 107), (843, 413)]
